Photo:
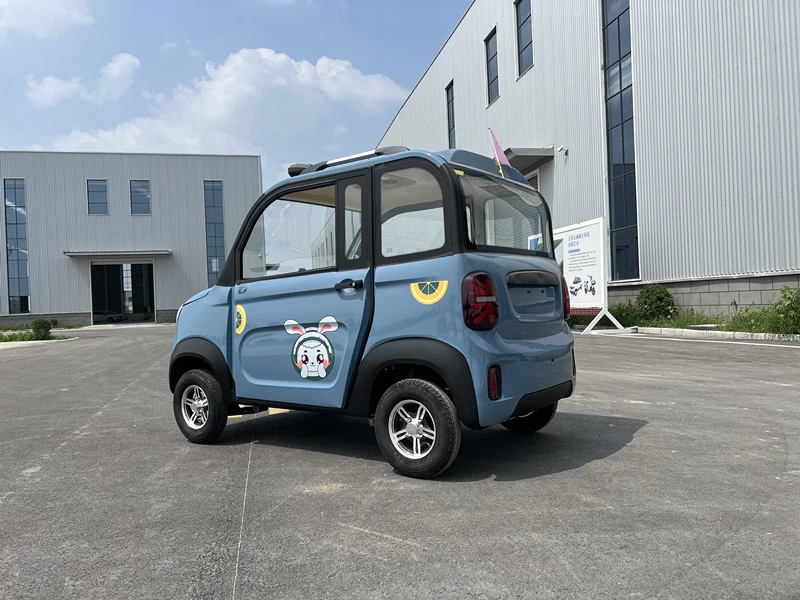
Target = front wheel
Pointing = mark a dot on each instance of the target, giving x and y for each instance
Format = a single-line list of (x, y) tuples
[(199, 406), (534, 421), (417, 428)]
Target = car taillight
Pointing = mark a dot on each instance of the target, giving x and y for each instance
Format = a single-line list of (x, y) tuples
[(495, 383), (481, 311), (565, 294)]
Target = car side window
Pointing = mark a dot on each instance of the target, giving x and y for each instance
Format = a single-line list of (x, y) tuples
[(352, 221), (412, 212), (295, 233)]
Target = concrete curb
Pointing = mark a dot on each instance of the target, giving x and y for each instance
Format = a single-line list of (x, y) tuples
[(717, 335), (10, 345)]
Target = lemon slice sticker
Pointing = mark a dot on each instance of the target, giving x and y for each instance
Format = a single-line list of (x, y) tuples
[(428, 292), (241, 318)]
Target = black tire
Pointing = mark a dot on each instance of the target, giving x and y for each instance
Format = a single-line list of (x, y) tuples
[(439, 411), (216, 415), (534, 421)]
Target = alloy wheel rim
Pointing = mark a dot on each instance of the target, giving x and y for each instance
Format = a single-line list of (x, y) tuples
[(194, 406), (412, 429)]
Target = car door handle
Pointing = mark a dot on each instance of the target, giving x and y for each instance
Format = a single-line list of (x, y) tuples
[(349, 284)]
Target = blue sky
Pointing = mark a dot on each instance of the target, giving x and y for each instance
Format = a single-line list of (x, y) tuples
[(291, 80)]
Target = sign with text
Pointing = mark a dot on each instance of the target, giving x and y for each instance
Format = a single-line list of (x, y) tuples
[(580, 252)]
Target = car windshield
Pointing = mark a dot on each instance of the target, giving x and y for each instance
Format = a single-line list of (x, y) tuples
[(504, 215)]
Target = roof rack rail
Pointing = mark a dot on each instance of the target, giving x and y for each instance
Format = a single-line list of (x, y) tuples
[(295, 170)]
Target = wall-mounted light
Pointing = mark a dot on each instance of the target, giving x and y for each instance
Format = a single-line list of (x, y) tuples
[(564, 150)]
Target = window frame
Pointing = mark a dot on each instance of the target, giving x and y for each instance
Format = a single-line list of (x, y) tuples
[(340, 183), (472, 246), (520, 72), (89, 202), (450, 106), (487, 60), (205, 226), (5, 238), (448, 195), (149, 213)]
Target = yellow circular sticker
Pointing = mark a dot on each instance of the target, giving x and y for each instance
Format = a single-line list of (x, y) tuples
[(241, 318), (428, 292)]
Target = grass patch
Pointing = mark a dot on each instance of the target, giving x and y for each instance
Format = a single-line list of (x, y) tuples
[(783, 317), (22, 336), (15, 327), (27, 336), (683, 319)]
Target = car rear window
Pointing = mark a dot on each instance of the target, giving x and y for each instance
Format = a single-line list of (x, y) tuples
[(503, 215)]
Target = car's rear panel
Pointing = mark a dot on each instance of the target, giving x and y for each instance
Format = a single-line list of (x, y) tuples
[(531, 343)]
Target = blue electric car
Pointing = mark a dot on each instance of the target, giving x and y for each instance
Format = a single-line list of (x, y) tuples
[(416, 288)]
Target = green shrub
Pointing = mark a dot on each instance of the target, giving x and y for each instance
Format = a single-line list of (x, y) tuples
[(41, 329), (654, 302), (788, 307), (54, 322), (627, 314)]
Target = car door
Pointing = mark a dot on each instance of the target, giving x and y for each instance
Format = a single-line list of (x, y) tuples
[(303, 297)]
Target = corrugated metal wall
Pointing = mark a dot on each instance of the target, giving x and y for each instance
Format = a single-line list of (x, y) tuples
[(55, 185), (717, 111), (558, 102)]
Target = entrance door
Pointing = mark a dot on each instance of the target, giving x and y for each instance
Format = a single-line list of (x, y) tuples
[(302, 301)]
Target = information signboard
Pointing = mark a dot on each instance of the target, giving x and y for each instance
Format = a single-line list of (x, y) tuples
[(581, 253)]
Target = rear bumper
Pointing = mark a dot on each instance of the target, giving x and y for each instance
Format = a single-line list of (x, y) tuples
[(536, 400)]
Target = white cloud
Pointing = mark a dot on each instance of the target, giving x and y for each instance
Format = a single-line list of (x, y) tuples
[(43, 18), (114, 81), (168, 47), (253, 92), (340, 129), (52, 90)]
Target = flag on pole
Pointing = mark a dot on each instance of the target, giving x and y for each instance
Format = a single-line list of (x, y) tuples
[(499, 156)]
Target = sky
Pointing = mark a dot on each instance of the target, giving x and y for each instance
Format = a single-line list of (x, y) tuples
[(289, 80)]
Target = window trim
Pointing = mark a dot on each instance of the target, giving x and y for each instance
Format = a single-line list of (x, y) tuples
[(486, 59), (108, 202), (130, 198), (448, 196), (517, 41)]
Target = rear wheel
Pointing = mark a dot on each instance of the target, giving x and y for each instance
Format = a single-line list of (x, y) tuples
[(417, 428), (532, 422), (199, 407)]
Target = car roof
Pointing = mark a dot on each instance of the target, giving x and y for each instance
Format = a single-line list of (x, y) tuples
[(455, 157)]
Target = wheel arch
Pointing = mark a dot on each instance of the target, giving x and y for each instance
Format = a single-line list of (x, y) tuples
[(422, 358), (200, 353)]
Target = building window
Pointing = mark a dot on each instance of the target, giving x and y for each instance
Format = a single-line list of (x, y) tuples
[(620, 135), (98, 196), (140, 197), (215, 230), (451, 117), (17, 246), (492, 78), (524, 35)]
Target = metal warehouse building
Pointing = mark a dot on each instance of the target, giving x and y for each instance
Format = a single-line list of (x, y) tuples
[(116, 236), (677, 120)]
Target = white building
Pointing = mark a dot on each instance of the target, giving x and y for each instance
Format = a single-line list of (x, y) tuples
[(677, 120), (116, 235)]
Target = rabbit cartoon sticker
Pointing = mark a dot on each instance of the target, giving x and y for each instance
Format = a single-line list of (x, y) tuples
[(312, 355)]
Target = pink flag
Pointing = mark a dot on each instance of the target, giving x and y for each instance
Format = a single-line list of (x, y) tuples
[(499, 155)]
